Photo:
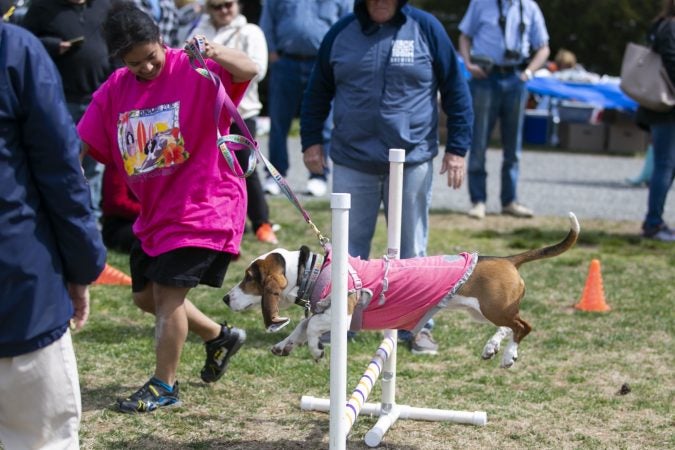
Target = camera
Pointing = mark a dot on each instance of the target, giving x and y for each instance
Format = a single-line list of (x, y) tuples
[(511, 54)]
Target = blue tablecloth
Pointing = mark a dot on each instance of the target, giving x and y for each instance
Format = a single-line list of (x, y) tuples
[(601, 95)]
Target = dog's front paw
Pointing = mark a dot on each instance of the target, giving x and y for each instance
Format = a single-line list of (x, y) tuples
[(280, 351), (316, 351), (318, 356)]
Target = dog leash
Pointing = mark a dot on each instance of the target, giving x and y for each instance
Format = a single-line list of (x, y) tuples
[(234, 142)]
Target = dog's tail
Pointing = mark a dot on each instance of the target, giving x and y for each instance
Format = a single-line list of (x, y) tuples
[(550, 251)]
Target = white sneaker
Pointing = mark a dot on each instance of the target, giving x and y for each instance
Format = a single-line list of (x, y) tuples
[(271, 187), (477, 211), (517, 210), (424, 343), (317, 187)]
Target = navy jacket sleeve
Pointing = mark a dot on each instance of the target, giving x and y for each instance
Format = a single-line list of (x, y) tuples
[(316, 102), (52, 148), (454, 89)]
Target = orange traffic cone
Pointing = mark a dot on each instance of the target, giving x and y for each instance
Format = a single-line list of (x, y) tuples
[(593, 297), (110, 275)]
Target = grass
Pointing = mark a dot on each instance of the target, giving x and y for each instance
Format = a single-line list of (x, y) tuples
[(562, 392)]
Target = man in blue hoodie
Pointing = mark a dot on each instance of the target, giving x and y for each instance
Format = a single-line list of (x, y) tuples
[(383, 67), (50, 249)]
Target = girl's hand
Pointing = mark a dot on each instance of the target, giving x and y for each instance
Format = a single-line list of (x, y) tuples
[(206, 48)]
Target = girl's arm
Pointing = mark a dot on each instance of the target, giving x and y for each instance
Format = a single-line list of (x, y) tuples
[(234, 61)]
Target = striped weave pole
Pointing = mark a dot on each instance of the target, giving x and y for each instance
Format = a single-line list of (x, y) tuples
[(367, 381)]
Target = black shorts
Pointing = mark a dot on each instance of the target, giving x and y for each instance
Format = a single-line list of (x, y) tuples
[(182, 267)]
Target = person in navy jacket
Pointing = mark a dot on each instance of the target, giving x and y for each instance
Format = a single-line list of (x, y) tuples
[(383, 67), (50, 249)]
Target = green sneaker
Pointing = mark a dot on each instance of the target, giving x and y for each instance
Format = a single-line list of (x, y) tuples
[(219, 351), (154, 394)]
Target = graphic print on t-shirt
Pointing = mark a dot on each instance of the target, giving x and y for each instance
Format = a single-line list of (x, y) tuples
[(150, 139)]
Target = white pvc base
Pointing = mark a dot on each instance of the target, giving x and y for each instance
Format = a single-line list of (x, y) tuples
[(374, 437)]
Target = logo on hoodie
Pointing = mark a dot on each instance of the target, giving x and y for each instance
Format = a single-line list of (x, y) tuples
[(403, 53)]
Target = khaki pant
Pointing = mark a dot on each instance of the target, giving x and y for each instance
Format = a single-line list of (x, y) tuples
[(40, 405)]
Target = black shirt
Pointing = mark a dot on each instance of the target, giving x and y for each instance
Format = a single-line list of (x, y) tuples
[(86, 65)]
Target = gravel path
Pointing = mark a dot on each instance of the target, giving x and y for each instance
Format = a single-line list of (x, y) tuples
[(551, 182)]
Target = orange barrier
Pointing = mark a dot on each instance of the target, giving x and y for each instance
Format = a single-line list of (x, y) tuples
[(593, 297), (113, 276)]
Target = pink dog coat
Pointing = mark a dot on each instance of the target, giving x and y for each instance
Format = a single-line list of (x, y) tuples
[(407, 293)]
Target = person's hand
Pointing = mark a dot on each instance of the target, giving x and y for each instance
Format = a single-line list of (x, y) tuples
[(79, 294), (454, 166), (273, 57), (209, 50), (314, 160), (476, 71)]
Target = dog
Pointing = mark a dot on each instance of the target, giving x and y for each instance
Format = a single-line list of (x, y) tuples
[(387, 294)]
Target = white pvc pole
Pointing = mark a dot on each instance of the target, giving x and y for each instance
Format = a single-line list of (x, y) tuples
[(340, 204), (388, 411), (478, 418), (395, 202)]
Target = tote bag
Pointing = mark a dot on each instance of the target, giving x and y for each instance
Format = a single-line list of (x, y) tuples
[(644, 79)]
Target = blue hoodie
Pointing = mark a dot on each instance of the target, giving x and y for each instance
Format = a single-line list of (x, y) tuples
[(48, 235), (384, 81)]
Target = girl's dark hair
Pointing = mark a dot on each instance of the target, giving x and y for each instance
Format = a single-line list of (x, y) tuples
[(126, 26)]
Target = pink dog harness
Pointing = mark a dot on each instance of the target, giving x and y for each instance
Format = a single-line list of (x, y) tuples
[(406, 293)]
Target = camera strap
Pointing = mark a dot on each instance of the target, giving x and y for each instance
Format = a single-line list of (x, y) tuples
[(502, 22)]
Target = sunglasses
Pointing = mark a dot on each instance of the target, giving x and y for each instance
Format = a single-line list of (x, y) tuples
[(218, 6)]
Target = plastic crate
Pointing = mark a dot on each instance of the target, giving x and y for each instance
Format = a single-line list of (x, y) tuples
[(576, 112)]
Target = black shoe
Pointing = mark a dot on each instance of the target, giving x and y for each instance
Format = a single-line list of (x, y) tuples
[(149, 398), (219, 351)]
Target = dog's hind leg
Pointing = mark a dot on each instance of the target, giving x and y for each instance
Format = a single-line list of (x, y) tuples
[(297, 338), (492, 346), (520, 330)]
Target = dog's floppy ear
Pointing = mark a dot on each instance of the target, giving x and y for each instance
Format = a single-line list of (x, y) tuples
[(273, 276), (302, 261)]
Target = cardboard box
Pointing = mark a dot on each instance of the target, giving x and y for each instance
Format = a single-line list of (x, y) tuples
[(618, 117), (582, 136), (626, 138)]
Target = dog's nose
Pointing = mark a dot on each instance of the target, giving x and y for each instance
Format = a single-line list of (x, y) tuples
[(226, 299)]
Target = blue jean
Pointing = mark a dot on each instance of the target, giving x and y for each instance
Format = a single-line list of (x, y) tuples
[(287, 84), (663, 141), (498, 96), (93, 170), (369, 191)]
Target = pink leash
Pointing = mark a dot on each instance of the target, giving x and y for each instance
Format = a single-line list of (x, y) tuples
[(234, 142)]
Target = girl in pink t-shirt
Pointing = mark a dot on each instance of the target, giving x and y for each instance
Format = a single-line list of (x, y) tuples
[(153, 121)]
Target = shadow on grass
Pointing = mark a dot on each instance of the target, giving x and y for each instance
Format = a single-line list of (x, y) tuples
[(313, 441), (314, 434), (114, 333), (100, 398), (532, 237)]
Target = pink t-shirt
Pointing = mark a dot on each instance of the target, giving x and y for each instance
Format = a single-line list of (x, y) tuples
[(161, 135)]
